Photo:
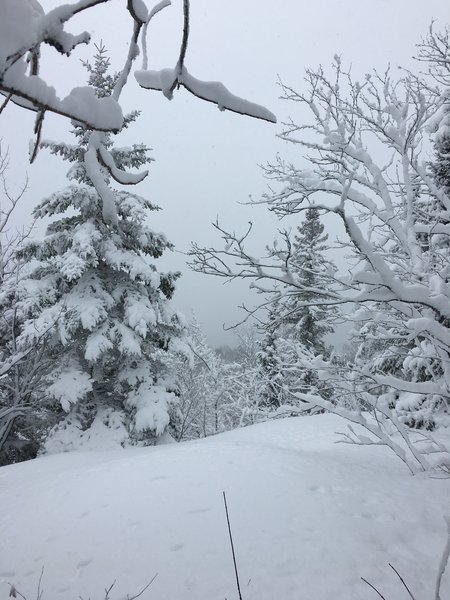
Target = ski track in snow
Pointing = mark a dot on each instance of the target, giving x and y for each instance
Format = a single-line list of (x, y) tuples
[(309, 518)]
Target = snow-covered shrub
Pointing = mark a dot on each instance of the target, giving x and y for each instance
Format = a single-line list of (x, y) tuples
[(201, 386), (23, 411)]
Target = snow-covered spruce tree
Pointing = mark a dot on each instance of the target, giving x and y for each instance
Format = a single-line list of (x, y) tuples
[(303, 318), (25, 26), (297, 318), (98, 284), (273, 395)]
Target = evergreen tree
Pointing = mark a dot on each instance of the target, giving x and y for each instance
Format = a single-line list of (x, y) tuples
[(300, 318), (270, 360), (96, 286), (305, 318)]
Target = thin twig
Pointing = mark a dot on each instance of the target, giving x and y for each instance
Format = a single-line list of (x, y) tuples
[(39, 590), (403, 581), (5, 103), (38, 131), (184, 43), (232, 546), (14, 592), (374, 588), (108, 590), (144, 588)]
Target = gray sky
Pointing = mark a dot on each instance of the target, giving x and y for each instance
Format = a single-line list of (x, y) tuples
[(207, 161)]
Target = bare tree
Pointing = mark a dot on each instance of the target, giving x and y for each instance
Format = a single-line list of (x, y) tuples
[(9, 236), (366, 163), (21, 366)]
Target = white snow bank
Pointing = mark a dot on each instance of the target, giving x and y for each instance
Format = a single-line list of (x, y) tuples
[(309, 519)]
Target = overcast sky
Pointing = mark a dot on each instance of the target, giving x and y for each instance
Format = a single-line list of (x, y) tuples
[(206, 161)]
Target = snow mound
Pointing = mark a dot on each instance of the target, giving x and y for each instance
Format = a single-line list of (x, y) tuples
[(309, 518)]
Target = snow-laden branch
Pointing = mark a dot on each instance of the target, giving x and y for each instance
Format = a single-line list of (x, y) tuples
[(383, 425), (23, 27), (117, 174), (97, 178), (166, 80)]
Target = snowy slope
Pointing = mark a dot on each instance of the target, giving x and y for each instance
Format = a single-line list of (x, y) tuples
[(309, 519)]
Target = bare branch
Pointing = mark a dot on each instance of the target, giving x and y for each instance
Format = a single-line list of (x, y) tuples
[(403, 582), (374, 588)]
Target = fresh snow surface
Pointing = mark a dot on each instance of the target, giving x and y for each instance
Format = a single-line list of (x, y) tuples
[(309, 518)]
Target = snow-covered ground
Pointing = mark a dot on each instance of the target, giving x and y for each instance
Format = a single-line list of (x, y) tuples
[(309, 518)]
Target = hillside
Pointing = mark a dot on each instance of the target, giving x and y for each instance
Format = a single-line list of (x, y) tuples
[(309, 518)]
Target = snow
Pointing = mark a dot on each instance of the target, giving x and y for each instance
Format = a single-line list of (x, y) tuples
[(81, 103), (211, 91), (70, 386), (139, 314), (25, 25), (89, 301), (309, 518), (94, 173), (152, 404), (216, 92), (97, 344), (107, 432), (129, 342), (162, 80), (158, 7), (140, 10), (119, 175), (104, 112)]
